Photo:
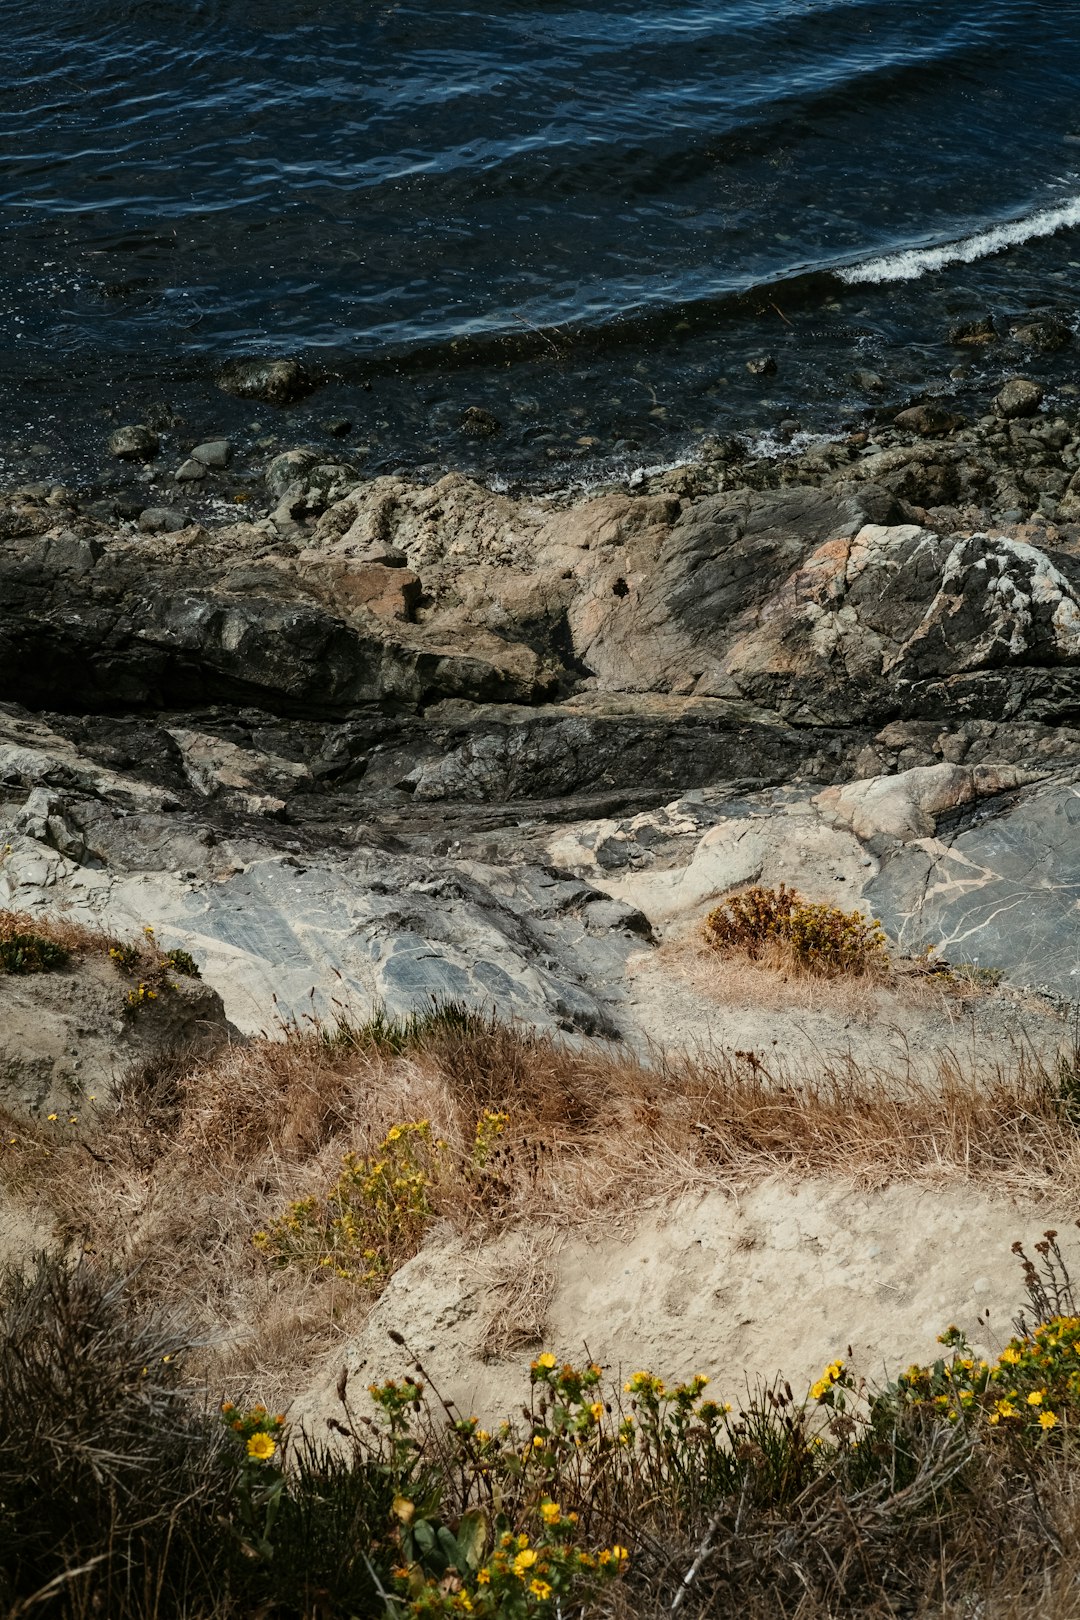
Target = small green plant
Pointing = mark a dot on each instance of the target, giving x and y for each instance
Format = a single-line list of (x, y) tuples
[(182, 961), (402, 1034), (31, 953), (818, 939), (150, 966), (515, 1554)]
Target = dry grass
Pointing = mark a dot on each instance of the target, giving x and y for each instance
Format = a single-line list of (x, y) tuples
[(70, 936), (196, 1156)]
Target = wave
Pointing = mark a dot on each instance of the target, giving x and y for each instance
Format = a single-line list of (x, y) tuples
[(908, 264)]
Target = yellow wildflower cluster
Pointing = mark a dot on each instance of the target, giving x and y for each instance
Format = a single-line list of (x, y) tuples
[(520, 1579), (1032, 1387), (830, 1378)]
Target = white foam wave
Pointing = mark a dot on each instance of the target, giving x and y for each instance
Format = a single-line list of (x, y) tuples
[(911, 263)]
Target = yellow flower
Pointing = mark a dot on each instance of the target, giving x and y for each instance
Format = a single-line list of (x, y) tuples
[(597, 1410), (52, 1117), (619, 1554), (1036, 1397), (1047, 1420), (550, 1512), (483, 1576), (538, 1440), (540, 1589), (546, 1361), (261, 1447), (1010, 1357), (524, 1560)]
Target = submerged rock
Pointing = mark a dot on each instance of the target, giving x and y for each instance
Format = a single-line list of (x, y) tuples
[(278, 382)]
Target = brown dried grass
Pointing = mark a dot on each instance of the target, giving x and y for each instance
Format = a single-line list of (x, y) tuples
[(75, 937), (198, 1155)]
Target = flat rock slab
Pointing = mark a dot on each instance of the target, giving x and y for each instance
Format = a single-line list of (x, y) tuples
[(1000, 888)]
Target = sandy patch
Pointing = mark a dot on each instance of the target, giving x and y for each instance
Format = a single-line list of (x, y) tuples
[(777, 1280)]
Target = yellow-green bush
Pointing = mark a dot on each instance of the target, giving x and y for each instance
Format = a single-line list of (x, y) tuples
[(818, 938), (377, 1211)]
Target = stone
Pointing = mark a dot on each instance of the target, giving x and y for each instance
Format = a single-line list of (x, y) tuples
[(762, 365), (929, 420), (215, 453), (278, 382), (1019, 397), (162, 520), (190, 472), (1045, 334), (135, 443), (69, 1037), (478, 423), (973, 334)]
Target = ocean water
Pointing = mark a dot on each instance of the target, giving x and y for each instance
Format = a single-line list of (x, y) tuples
[(586, 218)]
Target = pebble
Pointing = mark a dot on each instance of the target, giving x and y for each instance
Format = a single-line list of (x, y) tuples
[(189, 472), (763, 365)]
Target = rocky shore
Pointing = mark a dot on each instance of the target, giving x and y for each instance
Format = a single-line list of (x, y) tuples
[(395, 740)]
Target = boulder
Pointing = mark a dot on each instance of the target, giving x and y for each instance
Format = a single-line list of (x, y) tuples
[(1019, 397), (135, 443), (162, 520), (215, 453), (67, 1038)]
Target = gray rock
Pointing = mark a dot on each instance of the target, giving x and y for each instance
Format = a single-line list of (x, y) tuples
[(276, 381), (68, 1038), (135, 443), (1019, 397), (215, 453), (999, 887), (763, 365), (190, 472), (162, 520)]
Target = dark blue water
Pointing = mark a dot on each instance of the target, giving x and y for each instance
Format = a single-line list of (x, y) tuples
[(585, 217)]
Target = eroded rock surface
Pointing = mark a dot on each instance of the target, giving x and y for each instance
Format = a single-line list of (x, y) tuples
[(398, 741)]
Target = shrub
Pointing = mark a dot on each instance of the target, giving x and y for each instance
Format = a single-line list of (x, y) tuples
[(150, 966), (376, 1213), (31, 953), (109, 1478), (816, 938)]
